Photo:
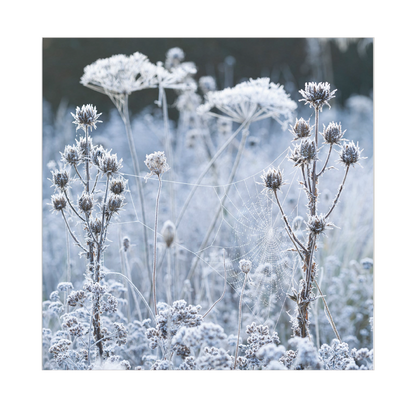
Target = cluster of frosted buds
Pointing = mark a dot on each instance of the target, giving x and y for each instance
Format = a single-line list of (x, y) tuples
[(349, 154), (71, 155), (156, 162), (60, 347), (110, 304), (60, 179), (76, 297), (58, 202), (95, 225), (317, 224), (65, 286), (333, 134), (97, 152), (304, 153), (108, 163), (272, 179), (301, 129), (115, 203), (121, 333), (168, 232), (85, 202), (118, 185), (85, 117), (317, 95), (245, 266), (71, 323), (207, 84), (174, 57)]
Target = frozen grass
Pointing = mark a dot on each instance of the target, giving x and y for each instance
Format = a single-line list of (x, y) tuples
[(215, 191)]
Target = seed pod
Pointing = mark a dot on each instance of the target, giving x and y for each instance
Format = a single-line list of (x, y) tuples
[(168, 232), (85, 202), (245, 266), (58, 202)]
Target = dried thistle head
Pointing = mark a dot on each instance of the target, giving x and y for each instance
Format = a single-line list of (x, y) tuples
[(350, 154), (115, 203), (85, 202), (333, 134), (58, 201), (60, 179), (97, 152), (304, 153), (168, 232), (272, 179), (118, 185), (85, 117), (245, 266), (126, 243), (156, 162), (108, 163), (95, 225), (85, 146), (301, 129), (317, 95), (317, 224), (71, 155)]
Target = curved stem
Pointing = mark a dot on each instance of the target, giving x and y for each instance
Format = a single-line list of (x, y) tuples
[(326, 162), (73, 209), (239, 319), (338, 194), (72, 234)]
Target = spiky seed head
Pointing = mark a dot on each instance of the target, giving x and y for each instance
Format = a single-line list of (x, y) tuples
[(95, 225), (115, 203), (333, 134), (156, 162), (245, 266), (58, 201), (108, 163), (85, 117), (118, 185), (350, 154), (272, 179), (308, 150), (168, 232), (85, 146), (60, 178), (317, 95), (97, 152), (126, 243), (71, 155), (301, 129), (85, 202), (317, 224)]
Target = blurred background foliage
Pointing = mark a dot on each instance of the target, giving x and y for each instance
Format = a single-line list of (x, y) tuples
[(347, 63)]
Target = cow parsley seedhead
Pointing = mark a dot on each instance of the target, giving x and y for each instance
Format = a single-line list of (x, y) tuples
[(317, 95), (245, 266), (333, 134), (156, 162), (301, 129), (58, 202), (108, 163), (174, 57), (86, 117), (272, 179), (207, 84), (350, 154)]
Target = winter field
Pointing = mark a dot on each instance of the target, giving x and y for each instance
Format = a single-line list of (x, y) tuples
[(237, 235)]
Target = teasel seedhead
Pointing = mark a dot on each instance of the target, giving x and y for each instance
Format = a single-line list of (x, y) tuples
[(115, 203), (58, 201), (60, 179), (350, 154), (97, 152), (317, 224), (85, 117), (301, 129), (168, 232), (317, 95), (304, 152), (272, 179), (156, 162), (245, 266), (71, 155), (118, 185), (333, 134), (82, 147), (108, 163), (126, 243), (96, 225), (85, 202)]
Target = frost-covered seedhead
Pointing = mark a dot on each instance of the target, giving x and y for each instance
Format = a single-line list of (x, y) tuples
[(60, 179), (301, 129), (174, 57), (108, 163), (115, 203), (367, 263), (117, 185), (333, 134), (350, 154), (126, 243), (304, 153), (317, 224), (168, 232), (95, 225), (85, 202), (97, 152), (307, 357), (272, 179), (71, 155), (317, 95), (157, 164), (246, 99), (207, 84), (85, 117), (245, 266), (58, 201)]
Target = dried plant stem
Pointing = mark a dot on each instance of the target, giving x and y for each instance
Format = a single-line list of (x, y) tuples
[(72, 234), (338, 194), (155, 244), (326, 162), (239, 319), (126, 119)]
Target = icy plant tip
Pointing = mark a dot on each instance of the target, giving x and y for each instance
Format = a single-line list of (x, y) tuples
[(245, 266), (317, 95), (85, 117), (156, 162), (272, 179)]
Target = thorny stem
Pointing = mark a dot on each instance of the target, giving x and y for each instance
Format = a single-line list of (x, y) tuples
[(338, 194), (239, 319), (80, 177), (326, 162), (72, 234), (73, 209), (155, 247)]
